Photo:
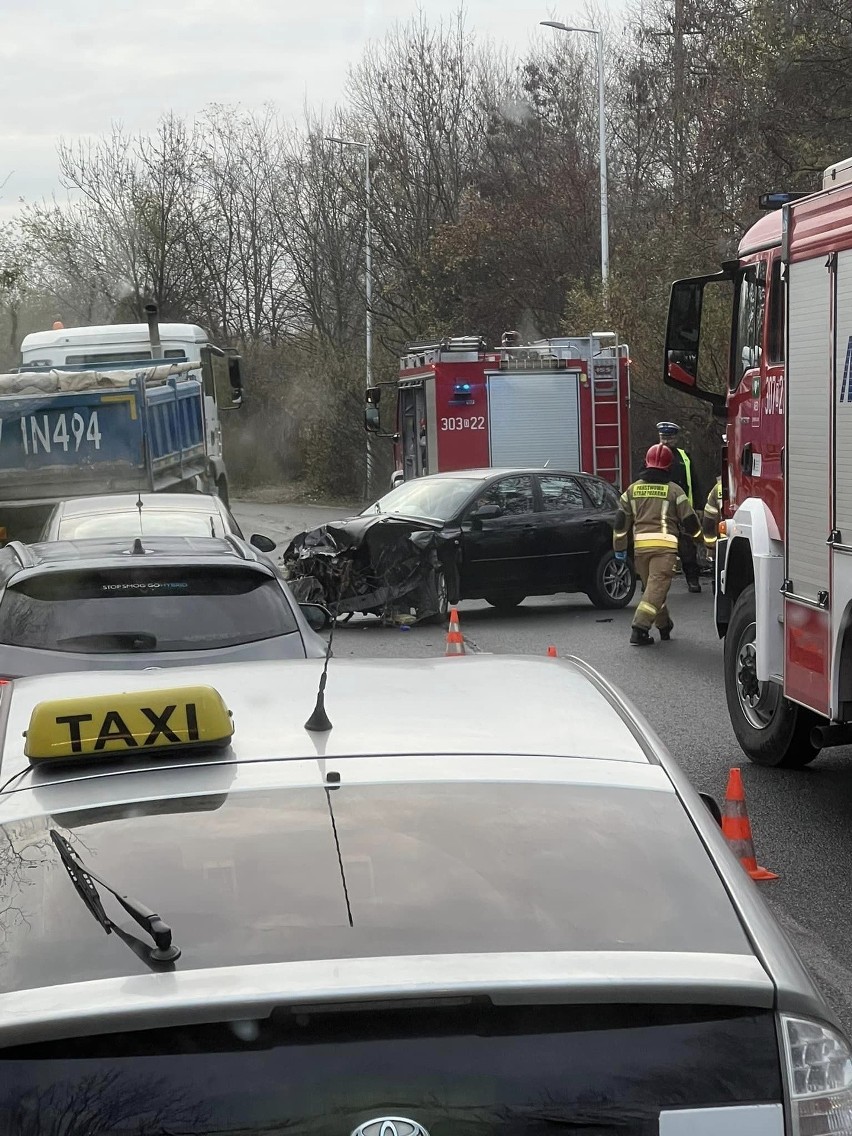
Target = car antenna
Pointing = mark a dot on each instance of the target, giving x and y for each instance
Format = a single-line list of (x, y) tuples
[(319, 722)]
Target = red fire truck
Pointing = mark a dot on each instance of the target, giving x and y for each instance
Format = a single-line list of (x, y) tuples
[(562, 403), (784, 567)]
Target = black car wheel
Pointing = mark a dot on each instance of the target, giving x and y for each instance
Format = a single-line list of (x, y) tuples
[(770, 729), (507, 601), (613, 582), (440, 597)]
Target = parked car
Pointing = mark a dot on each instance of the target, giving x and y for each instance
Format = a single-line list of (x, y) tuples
[(128, 515), (164, 602), (454, 918), (494, 534)]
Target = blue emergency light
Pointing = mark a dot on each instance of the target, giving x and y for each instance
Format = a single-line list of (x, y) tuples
[(462, 393)]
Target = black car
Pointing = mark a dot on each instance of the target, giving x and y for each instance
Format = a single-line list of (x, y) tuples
[(494, 534)]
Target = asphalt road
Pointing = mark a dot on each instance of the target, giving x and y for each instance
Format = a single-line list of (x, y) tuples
[(800, 819)]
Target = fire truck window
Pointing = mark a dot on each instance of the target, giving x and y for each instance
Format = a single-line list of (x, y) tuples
[(514, 495), (749, 327), (775, 339), (561, 495)]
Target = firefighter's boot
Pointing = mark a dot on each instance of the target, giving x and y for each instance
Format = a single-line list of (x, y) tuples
[(639, 637), (666, 632)]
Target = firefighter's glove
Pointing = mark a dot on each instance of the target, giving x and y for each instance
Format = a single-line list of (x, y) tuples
[(620, 555)]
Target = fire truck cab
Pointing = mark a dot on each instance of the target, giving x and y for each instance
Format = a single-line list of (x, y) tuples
[(779, 372), (560, 402)]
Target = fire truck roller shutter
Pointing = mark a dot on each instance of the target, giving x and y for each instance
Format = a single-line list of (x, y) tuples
[(841, 701), (807, 638), (534, 420), (808, 416)]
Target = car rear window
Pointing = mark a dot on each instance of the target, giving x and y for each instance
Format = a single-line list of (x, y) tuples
[(142, 609), (602, 494), (465, 1068), (154, 522)]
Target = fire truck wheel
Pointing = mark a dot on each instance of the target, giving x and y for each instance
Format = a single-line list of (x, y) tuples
[(770, 729), (505, 602), (613, 582)]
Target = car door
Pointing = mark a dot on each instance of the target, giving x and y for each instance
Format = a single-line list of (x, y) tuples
[(567, 529), (501, 553)]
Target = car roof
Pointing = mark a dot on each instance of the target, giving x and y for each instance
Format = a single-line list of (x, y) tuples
[(481, 849), (123, 502), (101, 552), (378, 708)]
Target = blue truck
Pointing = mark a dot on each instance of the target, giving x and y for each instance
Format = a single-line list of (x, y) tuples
[(112, 409)]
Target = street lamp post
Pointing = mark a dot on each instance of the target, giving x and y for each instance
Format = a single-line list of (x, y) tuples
[(368, 278), (601, 139)]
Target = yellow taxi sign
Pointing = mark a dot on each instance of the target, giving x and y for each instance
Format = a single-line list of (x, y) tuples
[(128, 723)]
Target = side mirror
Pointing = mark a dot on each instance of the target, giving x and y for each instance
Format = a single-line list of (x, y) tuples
[(235, 379), (318, 617), (262, 543), (374, 395), (713, 805), (487, 513), (371, 418)]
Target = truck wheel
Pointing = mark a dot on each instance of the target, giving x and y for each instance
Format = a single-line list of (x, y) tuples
[(770, 729), (613, 582), (222, 491)]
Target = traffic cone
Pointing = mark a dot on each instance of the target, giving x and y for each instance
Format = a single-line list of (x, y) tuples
[(551, 652), (455, 639), (736, 828)]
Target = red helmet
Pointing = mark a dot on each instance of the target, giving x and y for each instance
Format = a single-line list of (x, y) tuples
[(658, 457)]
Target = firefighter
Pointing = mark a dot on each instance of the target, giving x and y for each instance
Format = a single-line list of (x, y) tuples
[(656, 511), (683, 474), (710, 520)]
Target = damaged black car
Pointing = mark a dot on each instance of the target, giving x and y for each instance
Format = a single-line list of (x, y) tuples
[(494, 534)]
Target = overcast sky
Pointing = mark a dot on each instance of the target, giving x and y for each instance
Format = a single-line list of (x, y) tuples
[(70, 68)]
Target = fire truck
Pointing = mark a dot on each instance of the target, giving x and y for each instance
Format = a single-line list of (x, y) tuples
[(784, 565), (562, 403)]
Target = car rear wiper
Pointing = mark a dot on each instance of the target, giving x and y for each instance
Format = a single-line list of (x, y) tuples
[(82, 876), (111, 640)]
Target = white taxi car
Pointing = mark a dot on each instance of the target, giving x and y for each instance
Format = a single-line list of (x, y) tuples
[(424, 915)]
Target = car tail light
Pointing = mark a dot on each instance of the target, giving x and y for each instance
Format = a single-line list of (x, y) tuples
[(819, 1064)]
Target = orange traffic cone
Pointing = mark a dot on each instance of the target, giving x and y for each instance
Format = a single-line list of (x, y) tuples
[(736, 828), (455, 639), (551, 652)]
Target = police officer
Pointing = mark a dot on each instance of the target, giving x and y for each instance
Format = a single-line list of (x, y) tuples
[(683, 474), (655, 510)]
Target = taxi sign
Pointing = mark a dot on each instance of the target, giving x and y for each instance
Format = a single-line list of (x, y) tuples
[(128, 723)]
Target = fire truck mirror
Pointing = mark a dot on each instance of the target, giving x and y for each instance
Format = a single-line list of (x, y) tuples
[(374, 395), (697, 336), (371, 418)]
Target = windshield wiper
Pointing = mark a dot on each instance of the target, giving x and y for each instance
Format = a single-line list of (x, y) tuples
[(82, 876)]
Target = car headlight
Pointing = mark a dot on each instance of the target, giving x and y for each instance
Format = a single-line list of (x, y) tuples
[(819, 1064)]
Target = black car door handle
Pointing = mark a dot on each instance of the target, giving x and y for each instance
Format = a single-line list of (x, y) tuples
[(589, 522)]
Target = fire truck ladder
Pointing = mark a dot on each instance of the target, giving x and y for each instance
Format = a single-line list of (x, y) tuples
[(606, 415)]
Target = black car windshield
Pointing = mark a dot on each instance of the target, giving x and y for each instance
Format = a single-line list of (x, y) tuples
[(152, 609), (429, 499)]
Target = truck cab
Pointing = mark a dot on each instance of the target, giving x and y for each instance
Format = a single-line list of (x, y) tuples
[(767, 342), (109, 347)]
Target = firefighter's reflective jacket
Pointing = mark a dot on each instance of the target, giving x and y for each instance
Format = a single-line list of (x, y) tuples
[(712, 512), (656, 510)]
